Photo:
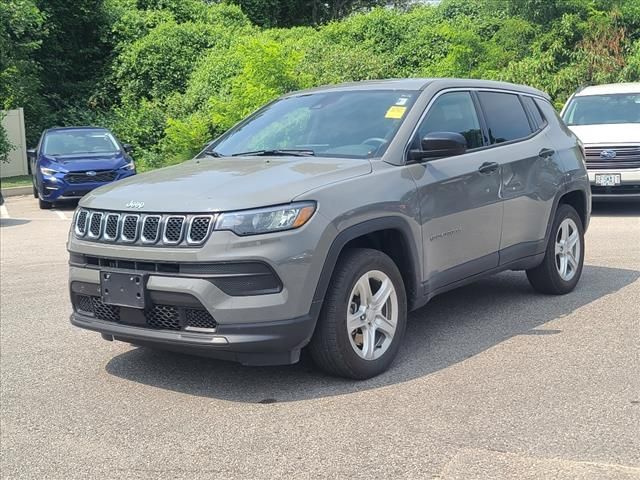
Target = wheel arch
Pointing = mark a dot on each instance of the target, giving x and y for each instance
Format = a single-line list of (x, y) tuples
[(391, 235), (578, 199)]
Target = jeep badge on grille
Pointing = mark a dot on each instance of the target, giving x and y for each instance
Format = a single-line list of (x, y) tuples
[(134, 204)]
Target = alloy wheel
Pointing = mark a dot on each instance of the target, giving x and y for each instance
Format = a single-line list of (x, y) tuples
[(372, 315), (567, 249)]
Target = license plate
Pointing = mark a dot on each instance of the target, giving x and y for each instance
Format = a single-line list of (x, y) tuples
[(123, 289), (608, 180)]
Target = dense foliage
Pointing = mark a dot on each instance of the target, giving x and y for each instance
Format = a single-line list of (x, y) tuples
[(169, 75)]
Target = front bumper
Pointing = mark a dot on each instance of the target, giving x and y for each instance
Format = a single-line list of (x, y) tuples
[(271, 343), (55, 187), (259, 325), (629, 187)]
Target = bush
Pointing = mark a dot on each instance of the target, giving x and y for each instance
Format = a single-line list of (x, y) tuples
[(183, 71)]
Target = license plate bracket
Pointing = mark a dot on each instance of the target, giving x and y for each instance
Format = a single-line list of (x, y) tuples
[(608, 179), (123, 289)]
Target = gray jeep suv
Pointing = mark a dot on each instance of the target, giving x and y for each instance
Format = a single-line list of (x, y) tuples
[(326, 216)]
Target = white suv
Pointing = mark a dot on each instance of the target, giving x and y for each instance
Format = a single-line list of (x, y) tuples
[(606, 118)]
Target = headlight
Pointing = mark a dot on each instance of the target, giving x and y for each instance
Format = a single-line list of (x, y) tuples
[(48, 171), (129, 166), (266, 220)]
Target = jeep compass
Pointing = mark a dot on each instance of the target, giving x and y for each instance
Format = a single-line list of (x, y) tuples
[(326, 216)]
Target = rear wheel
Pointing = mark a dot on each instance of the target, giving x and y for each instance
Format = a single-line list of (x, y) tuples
[(561, 268), (363, 317), (44, 205)]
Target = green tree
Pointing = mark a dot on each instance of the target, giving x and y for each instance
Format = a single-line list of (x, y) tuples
[(21, 32), (74, 51)]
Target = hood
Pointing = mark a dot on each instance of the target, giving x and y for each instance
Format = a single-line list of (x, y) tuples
[(608, 134), (85, 161), (224, 184)]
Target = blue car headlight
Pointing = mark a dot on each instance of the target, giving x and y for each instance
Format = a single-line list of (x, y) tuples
[(129, 166), (48, 171)]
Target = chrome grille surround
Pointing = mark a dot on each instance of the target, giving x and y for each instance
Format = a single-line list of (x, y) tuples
[(199, 228), (81, 223), (95, 225), (111, 230), (151, 224), (173, 230), (130, 227), (142, 229)]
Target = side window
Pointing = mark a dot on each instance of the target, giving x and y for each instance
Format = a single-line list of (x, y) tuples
[(453, 112), (505, 116), (534, 112)]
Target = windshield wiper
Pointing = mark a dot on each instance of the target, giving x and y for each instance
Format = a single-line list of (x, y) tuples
[(213, 153), (291, 152)]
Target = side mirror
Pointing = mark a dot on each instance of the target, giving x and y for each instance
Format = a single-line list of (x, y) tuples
[(440, 145), (127, 147), (31, 154)]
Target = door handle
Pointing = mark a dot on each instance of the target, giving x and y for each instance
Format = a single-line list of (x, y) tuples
[(488, 167), (546, 153)]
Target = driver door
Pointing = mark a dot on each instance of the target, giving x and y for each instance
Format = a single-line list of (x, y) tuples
[(461, 212)]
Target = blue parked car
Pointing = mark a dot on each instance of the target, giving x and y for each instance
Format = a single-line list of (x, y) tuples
[(70, 162)]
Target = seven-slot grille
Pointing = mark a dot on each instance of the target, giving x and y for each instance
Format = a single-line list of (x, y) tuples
[(82, 177), (143, 229), (627, 156)]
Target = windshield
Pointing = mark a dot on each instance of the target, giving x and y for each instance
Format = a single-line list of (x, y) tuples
[(331, 124), (601, 109), (69, 142)]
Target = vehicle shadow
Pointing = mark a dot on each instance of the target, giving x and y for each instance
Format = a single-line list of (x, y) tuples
[(615, 209), (450, 329), (12, 222)]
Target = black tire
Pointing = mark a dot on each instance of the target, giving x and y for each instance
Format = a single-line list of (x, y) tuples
[(44, 205), (330, 346), (35, 192), (545, 278)]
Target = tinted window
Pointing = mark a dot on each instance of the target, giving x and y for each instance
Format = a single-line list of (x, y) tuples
[(453, 112), (534, 112), (505, 117)]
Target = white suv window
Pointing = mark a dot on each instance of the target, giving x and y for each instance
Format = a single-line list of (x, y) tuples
[(602, 109)]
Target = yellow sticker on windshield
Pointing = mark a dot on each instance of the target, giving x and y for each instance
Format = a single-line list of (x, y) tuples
[(395, 112)]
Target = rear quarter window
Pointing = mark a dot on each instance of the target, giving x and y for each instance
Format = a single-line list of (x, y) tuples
[(505, 117), (534, 113)]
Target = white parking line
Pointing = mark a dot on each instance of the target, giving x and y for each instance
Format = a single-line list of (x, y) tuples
[(4, 213), (60, 214)]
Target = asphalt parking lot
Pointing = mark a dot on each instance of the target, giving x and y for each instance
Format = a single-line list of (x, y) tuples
[(493, 381)]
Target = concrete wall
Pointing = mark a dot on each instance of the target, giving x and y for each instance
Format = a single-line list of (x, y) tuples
[(13, 123)]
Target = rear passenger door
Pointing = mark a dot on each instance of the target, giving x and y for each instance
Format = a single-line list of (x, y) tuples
[(516, 131), (459, 195)]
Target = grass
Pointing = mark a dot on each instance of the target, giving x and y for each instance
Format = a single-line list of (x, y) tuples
[(19, 181)]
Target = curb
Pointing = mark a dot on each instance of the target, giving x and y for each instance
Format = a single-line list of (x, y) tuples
[(15, 191)]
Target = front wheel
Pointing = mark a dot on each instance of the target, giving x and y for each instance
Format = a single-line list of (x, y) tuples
[(44, 205), (363, 317), (561, 268), (35, 192)]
